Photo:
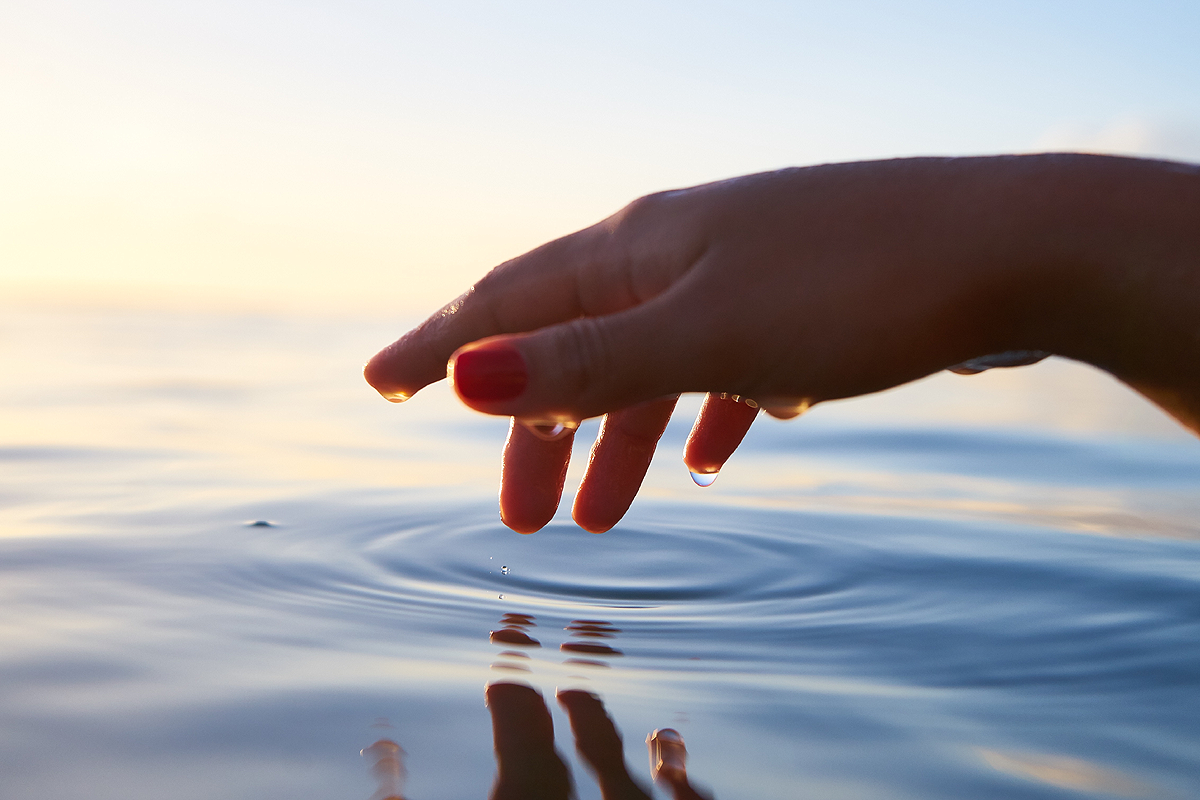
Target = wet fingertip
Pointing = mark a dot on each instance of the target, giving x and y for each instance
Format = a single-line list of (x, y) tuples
[(524, 530)]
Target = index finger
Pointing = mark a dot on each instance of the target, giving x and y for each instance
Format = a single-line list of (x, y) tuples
[(608, 267), (546, 276)]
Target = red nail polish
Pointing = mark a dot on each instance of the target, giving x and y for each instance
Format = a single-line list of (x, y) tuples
[(490, 373)]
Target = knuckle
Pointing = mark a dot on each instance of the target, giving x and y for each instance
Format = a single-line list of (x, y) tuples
[(641, 213), (585, 357)]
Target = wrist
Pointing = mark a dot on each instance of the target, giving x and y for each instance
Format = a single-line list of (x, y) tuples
[(1114, 262)]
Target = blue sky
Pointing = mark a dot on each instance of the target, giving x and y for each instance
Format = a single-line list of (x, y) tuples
[(369, 154)]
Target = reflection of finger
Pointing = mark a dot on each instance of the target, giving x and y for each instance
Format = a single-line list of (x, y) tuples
[(719, 429), (598, 742), (529, 768), (388, 768), (619, 462), (531, 477), (668, 757)]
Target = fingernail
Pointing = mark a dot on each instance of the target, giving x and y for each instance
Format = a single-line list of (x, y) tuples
[(489, 373)]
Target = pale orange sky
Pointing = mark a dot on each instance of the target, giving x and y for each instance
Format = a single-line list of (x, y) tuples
[(378, 157)]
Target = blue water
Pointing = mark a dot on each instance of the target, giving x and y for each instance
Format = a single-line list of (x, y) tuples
[(983, 587)]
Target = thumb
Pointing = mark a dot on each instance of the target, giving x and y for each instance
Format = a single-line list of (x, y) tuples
[(578, 369)]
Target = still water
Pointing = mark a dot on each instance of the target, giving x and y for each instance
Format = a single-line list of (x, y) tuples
[(226, 567)]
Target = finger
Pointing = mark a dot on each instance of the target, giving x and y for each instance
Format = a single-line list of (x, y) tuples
[(543, 277), (611, 266), (720, 427), (532, 473), (618, 463), (590, 366), (523, 732), (599, 743)]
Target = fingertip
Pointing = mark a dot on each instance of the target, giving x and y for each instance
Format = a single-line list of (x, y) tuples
[(593, 517), (378, 374), (594, 527), (522, 526)]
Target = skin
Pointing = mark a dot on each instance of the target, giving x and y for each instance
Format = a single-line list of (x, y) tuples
[(806, 285)]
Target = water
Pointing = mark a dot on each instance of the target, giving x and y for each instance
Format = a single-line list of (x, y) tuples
[(228, 568)]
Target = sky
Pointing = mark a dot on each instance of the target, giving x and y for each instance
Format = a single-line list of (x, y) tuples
[(365, 156)]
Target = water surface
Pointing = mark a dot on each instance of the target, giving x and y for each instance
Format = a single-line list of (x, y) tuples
[(969, 587)]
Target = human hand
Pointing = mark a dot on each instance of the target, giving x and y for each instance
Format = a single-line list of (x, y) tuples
[(790, 288)]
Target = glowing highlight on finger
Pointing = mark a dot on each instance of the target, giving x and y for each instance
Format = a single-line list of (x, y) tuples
[(787, 410), (550, 430)]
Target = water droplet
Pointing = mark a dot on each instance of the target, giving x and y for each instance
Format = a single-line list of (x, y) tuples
[(704, 478), (550, 429), (260, 523), (1011, 358), (501, 597), (786, 409), (396, 397), (504, 570)]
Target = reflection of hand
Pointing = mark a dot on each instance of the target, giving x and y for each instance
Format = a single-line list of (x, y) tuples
[(806, 285), (529, 767)]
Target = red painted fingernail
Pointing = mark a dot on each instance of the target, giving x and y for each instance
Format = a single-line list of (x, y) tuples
[(490, 373)]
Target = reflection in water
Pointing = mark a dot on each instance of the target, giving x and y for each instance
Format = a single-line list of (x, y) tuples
[(513, 633), (528, 766), (594, 629), (1065, 773), (388, 768), (905, 572)]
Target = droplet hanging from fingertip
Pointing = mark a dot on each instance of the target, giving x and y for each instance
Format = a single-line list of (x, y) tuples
[(704, 478), (549, 430)]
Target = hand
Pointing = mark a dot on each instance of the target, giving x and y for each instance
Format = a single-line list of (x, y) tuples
[(528, 766), (806, 285)]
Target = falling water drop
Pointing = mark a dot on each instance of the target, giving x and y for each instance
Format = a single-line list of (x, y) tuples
[(504, 570), (704, 478)]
